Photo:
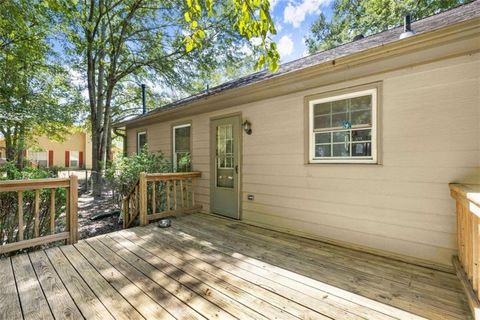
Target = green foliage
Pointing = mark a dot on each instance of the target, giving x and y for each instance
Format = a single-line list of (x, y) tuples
[(251, 19), (184, 163), (36, 94), (122, 173), (10, 171), (355, 17)]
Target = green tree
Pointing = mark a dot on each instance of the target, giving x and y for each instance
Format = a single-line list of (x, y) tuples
[(366, 17), (35, 94), (169, 43)]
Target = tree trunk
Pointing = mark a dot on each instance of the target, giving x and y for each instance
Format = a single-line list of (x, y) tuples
[(109, 145), (97, 113), (21, 148)]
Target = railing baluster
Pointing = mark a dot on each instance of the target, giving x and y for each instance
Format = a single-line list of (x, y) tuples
[(154, 200), (168, 196), (20, 215), (193, 193), (52, 211), (37, 214), (181, 193), (174, 194)]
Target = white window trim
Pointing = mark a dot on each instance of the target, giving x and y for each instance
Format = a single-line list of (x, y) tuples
[(174, 153), (138, 139), (311, 154)]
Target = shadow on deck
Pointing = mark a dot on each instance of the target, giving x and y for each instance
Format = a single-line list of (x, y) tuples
[(208, 267)]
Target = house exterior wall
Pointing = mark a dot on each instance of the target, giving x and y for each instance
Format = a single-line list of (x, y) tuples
[(78, 141), (429, 130)]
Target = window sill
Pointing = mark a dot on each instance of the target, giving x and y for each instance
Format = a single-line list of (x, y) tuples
[(343, 163)]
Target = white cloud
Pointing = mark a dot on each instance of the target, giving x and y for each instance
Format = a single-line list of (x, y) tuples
[(273, 3), (285, 46), (278, 27), (295, 13)]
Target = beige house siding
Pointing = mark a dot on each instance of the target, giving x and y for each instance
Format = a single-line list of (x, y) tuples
[(430, 131)]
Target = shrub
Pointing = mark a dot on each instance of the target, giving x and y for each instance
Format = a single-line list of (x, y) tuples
[(123, 172)]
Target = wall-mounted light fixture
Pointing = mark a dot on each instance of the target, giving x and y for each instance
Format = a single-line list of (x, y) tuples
[(247, 127)]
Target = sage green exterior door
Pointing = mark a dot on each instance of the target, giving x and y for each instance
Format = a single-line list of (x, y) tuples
[(225, 166)]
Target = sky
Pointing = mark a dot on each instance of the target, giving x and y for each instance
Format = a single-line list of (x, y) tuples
[(293, 19)]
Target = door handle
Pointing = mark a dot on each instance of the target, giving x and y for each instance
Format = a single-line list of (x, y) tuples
[(236, 169)]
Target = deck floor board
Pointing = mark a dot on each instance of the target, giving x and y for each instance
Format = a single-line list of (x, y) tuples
[(207, 267), (9, 304)]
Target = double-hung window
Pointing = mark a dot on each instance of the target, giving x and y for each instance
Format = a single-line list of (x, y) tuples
[(343, 128), (141, 141), (74, 159), (181, 147), (38, 157)]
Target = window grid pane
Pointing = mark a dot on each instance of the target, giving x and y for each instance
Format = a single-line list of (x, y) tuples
[(356, 143), (343, 113)]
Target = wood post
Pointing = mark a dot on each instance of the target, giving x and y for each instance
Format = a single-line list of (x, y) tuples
[(125, 212), (143, 199), (72, 212), (467, 264)]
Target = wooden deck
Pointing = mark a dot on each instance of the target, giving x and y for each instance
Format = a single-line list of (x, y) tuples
[(208, 267)]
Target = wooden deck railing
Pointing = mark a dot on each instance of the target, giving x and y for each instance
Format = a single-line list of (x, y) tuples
[(467, 263), (158, 195), (31, 212)]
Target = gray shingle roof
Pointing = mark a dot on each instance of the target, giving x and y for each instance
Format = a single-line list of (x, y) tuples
[(459, 14)]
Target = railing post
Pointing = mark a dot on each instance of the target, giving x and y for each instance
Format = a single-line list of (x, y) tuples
[(143, 199), (125, 212), (72, 212)]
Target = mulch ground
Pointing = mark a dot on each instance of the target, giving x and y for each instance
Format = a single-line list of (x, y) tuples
[(89, 207)]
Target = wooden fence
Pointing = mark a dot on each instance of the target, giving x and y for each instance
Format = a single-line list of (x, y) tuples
[(158, 195), (33, 212), (467, 263)]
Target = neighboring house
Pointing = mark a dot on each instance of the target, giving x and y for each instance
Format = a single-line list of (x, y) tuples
[(355, 145), (75, 152)]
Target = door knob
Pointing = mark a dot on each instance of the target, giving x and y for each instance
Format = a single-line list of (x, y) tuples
[(236, 169)]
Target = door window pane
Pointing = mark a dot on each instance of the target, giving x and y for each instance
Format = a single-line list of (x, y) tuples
[(225, 156)]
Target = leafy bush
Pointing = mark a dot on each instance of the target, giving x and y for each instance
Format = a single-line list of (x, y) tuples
[(184, 163), (123, 172), (9, 171)]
